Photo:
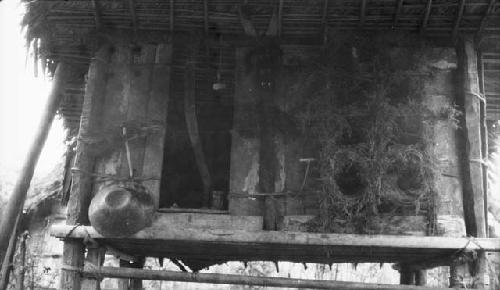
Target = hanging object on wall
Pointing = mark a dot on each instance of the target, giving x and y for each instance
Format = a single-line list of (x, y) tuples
[(121, 209), (219, 84)]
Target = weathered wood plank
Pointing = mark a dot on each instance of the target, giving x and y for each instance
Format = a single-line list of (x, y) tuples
[(137, 99), (245, 145), (157, 109), (241, 280), (293, 238), (475, 217), (474, 191)]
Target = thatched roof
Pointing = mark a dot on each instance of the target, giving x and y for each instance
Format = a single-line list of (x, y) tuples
[(68, 30)]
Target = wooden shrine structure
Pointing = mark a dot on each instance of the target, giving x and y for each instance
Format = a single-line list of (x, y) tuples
[(187, 113)]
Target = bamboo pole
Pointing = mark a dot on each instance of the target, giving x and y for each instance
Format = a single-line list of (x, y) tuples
[(18, 197), (22, 268), (209, 278), (7, 262)]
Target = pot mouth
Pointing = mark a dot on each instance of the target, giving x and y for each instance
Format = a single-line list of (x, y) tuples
[(118, 198)]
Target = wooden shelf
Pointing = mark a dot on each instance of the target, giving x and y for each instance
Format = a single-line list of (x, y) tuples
[(215, 246)]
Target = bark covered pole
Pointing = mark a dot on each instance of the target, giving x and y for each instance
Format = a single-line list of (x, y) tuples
[(18, 197), (81, 188)]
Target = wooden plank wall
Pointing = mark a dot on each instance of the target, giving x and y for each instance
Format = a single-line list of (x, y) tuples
[(137, 94)]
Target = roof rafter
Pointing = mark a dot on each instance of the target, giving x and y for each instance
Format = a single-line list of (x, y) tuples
[(280, 17), (460, 13), (171, 24), (97, 14), (133, 15), (205, 15), (484, 20), (399, 8), (362, 14), (427, 14), (324, 20)]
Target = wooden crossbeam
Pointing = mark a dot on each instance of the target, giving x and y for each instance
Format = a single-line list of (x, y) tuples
[(213, 278), (397, 13), (486, 16), (362, 15), (133, 15), (427, 14), (460, 13), (205, 15)]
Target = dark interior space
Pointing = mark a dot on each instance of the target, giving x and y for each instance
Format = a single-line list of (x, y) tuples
[(182, 185)]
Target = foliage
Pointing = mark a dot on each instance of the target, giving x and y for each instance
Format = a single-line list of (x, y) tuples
[(367, 117)]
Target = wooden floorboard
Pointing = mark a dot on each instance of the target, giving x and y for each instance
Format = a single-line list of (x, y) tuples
[(224, 245)]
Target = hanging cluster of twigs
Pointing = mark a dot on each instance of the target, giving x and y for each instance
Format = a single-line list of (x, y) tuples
[(372, 130)]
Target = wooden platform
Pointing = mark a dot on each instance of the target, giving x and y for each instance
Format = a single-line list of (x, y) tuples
[(215, 246)]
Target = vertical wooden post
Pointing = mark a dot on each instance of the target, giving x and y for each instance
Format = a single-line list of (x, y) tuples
[(131, 284), (407, 276), (474, 190), (95, 257), (18, 197), (421, 277), (475, 216), (80, 196)]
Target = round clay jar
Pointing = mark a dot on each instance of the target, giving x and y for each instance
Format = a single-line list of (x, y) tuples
[(121, 210)]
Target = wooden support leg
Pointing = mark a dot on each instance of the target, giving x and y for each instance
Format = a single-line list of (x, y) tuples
[(73, 254), (131, 284), (421, 277), (407, 276), (95, 258)]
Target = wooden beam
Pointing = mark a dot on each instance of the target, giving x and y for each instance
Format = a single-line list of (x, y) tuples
[(172, 17), (292, 238), (460, 13), (280, 17), (324, 21), (239, 279), (362, 13), (484, 20), (205, 16), (16, 201), (81, 188), (97, 14), (399, 8), (427, 14), (133, 15), (475, 215)]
